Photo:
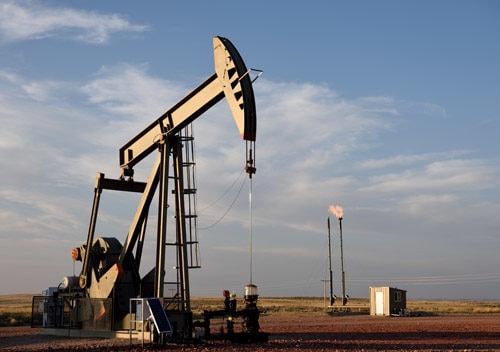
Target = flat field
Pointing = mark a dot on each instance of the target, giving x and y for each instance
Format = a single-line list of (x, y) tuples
[(303, 324)]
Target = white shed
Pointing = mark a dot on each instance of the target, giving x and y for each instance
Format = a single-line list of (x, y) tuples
[(386, 300)]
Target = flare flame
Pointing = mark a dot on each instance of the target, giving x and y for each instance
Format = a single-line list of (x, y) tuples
[(336, 210)]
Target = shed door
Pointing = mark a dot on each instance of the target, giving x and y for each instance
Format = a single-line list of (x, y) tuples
[(379, 303)]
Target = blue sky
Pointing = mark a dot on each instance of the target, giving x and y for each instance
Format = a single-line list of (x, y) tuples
[(389, 109)]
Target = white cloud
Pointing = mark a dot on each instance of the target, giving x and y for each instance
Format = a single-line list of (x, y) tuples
[(23, 20), (34, 214), (307, 120), (452, 175), (18, 87), (428, 204), (401, 160), (128, 90), (42, 91)]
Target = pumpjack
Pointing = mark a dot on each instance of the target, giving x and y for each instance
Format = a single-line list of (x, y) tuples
[(99, 298)]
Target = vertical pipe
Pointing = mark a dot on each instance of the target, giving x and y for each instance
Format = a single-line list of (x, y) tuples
[(250, 169), (332, 300), (181, 228), (250, 228), (344, 299), (162, 219)]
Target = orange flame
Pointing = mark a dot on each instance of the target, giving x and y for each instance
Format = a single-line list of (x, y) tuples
[(336, 210)]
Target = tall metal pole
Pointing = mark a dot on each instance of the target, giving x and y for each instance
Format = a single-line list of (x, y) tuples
[(181, 230), (344, 298), (162, 219), (332, 300)]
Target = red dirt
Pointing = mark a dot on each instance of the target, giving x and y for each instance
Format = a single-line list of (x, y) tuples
[(308, 332)]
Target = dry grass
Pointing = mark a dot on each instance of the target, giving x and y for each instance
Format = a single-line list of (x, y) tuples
[(454, 307), (15, 303), (269, 304), (16, 309), (317, 304)]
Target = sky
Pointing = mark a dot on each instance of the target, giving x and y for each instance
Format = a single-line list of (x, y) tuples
[(389, 109)]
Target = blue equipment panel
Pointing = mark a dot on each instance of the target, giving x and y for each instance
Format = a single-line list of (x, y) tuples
[(159, 316)]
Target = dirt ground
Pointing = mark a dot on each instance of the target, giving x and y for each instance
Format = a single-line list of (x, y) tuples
[(307, 332)]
